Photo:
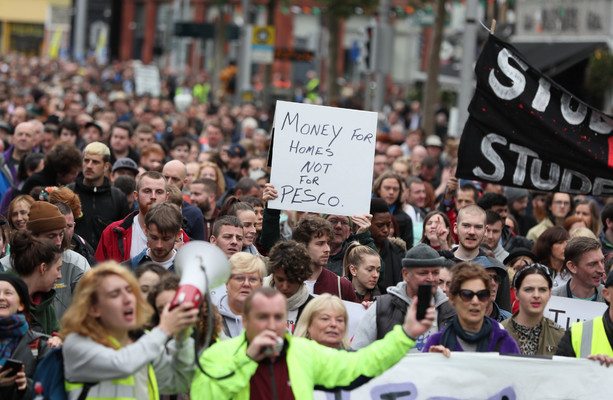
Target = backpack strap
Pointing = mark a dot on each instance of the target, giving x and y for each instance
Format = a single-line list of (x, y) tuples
[(85, 391)]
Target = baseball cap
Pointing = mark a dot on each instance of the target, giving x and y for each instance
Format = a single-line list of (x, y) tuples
[(126, 163), (94, 124), (237, 150)]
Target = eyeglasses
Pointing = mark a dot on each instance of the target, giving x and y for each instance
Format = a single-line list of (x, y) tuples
[(467, 295), (562, 203), (335, 221), (496, 278), (242, 278)]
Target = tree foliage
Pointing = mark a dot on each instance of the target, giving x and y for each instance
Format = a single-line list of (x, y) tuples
[(346, 8), (335, 11), (599, 74)]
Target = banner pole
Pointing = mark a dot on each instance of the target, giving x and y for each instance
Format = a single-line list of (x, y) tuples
[(493, 27)]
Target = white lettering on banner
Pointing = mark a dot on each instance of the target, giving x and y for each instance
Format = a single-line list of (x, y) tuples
[(572, 117), (522, 161), (518, 80), (601, 123), (484, 376), (322, 158), (489, 153), (567, 181), (598, 122), (541, 100)]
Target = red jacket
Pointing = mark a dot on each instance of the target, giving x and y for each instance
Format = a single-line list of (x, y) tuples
[(329, 282), (116, 240)]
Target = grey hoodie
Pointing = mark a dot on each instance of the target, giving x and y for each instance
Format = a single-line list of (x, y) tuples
[(231, 324), (367, 329), (73, 267)]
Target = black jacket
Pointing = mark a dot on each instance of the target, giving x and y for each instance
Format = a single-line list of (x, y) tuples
[(30, 358), (101, 205), (391, 269), (391, 311), (44, 178), (79, 245), (405, 226)]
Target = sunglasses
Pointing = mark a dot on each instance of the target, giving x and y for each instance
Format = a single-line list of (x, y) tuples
[(467, 295)]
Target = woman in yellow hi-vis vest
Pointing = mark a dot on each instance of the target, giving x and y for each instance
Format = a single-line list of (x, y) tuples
[(105, 345), (592, 339)]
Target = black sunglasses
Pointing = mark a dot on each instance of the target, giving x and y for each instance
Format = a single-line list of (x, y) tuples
[(482, 295)]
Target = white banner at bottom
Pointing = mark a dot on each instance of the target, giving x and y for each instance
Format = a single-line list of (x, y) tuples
[(484, 376)]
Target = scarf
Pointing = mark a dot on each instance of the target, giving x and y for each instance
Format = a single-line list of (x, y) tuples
[(454, 330), (297, 299), (12, 329)]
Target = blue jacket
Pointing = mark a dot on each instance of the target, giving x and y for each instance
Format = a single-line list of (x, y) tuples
[(142, 258), (8, 173), (194, 221)]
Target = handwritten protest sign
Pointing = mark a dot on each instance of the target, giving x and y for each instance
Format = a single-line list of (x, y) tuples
[(484, 376), (322, 158), (564, 311)]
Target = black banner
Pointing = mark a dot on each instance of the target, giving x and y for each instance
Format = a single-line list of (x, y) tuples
[(525, 130)]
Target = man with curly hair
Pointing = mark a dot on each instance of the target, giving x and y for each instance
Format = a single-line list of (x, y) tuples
[(315, 233), (290, 266)]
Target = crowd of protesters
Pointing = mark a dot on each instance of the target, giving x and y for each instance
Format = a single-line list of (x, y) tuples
[(100, 188)]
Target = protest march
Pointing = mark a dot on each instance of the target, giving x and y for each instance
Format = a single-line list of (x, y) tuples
[(158, 244)]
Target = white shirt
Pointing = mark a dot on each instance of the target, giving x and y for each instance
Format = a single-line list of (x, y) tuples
[(139, 240), (291, 320), (168, 263), (311, 286)]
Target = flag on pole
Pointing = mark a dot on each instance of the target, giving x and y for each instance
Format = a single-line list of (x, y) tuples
[(525, 130)]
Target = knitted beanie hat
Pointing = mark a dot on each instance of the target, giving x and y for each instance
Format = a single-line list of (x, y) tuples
[(45, 217), (422, 255), (513, 193)]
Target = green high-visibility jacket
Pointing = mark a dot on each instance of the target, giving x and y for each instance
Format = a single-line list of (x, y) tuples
[(309, 364)]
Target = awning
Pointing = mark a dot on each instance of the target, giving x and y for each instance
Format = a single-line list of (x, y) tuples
[(553, 58), (549, 58)]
